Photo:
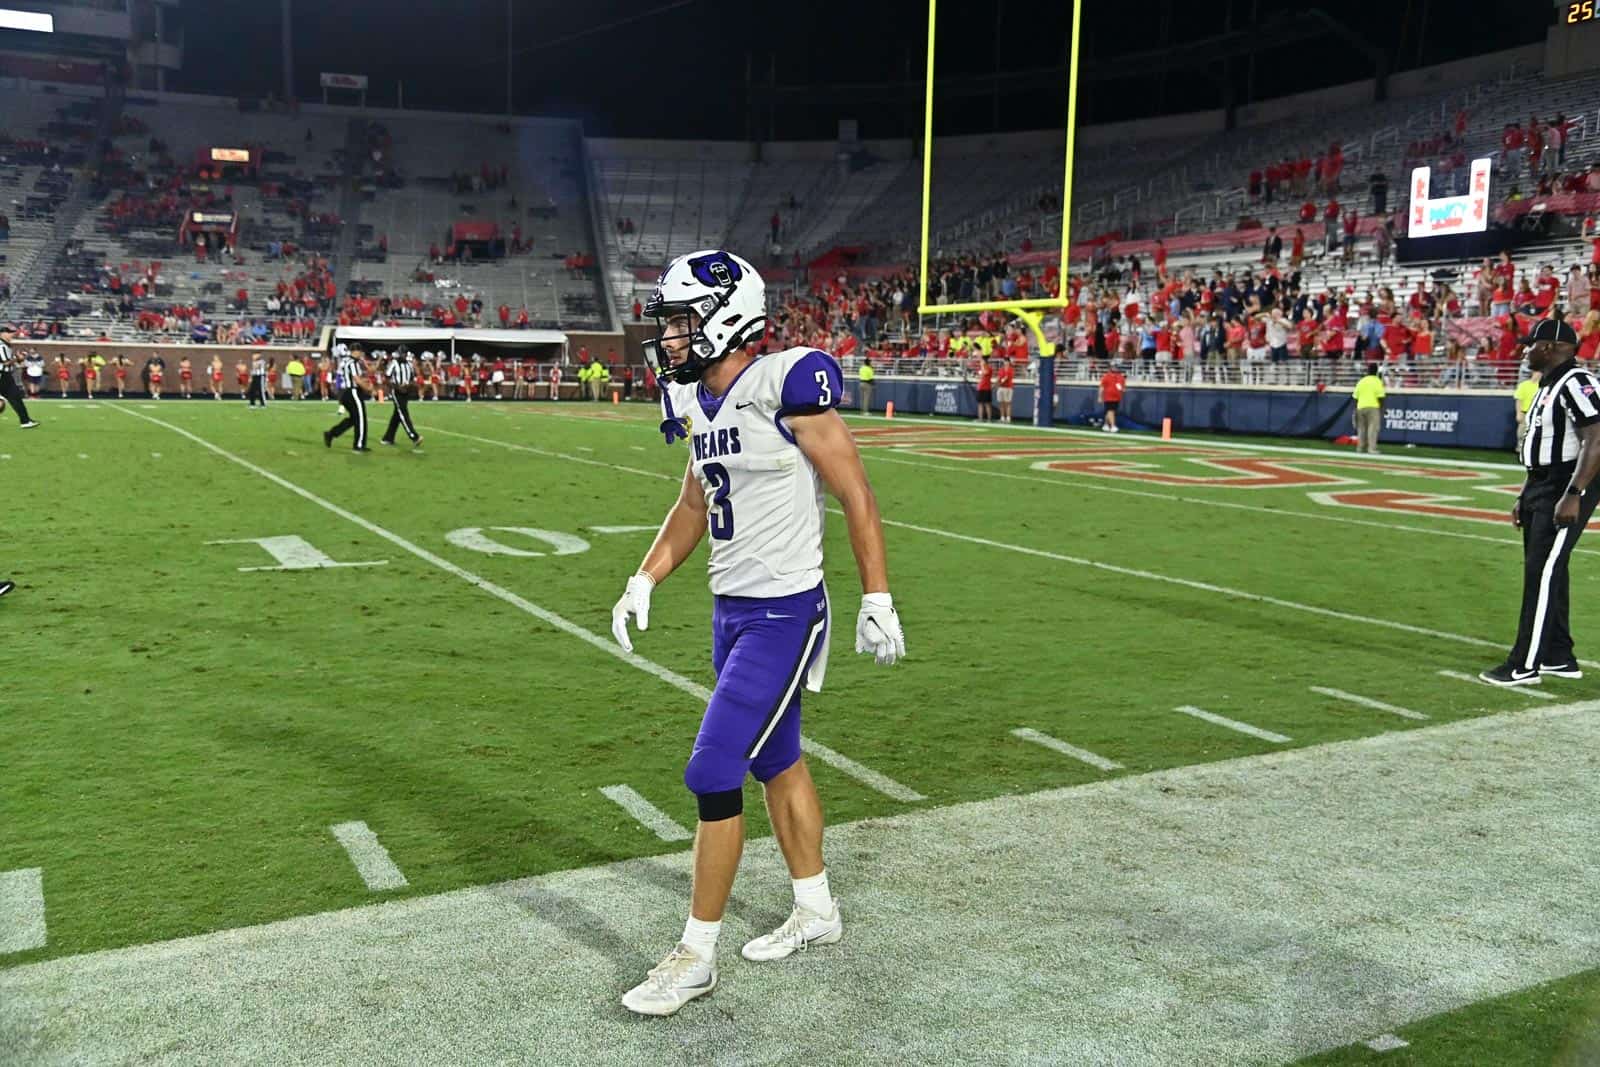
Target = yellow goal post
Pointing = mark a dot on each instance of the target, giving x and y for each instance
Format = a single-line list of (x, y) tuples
[(1030, 311)]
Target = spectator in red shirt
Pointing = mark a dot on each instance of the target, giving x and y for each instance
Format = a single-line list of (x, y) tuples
[(505, 316), (1297, 250), (1113, 383), (1308, 211), (638, 310), (1396, 340), (1161, 260)]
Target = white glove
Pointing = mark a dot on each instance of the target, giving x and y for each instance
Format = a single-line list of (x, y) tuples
[(636, 602), (878, 629)]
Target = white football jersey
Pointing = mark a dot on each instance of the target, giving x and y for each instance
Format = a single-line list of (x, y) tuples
[(764, 500)]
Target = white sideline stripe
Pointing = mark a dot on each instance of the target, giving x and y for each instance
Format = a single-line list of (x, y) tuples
[(21, 910), (1386, 1043), (1367, 702), (865, 775), (370, 857), (649, 816), (1068, 481), (862, 774), (1055, 744), (622, 529), (1078, 561), (1232, 724), (1520, 690)]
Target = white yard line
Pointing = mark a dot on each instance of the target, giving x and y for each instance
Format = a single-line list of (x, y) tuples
[(1066, 481), (1520, 690), (1232, 724), (606, 644), (1054, 744), (1386, 1043), (1398, 458), (647, 814), (372, 860), (1078, 561), (866, 775), (21, 910), (1368, 702)]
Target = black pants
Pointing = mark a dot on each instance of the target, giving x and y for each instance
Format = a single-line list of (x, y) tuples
[(355, 408), (400, 418), (1543, 635), (257, 393), (13, 394)]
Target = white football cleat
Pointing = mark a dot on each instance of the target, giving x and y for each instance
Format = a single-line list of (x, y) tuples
[(672, 983), (801, 929)]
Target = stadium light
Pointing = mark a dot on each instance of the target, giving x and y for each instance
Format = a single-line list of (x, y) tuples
[(12, 19)]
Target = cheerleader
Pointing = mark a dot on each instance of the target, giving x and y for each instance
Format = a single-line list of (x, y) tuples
[(216, 377), (158, 370), (63, 375), (185, 377), (119, 374)]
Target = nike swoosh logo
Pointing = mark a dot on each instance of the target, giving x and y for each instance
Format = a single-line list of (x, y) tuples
[(770, 615), (741, 407)]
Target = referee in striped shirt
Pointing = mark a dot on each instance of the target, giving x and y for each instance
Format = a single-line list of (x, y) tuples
[(10, 391), (259, 370), (402, 375), (349, 372), (1562, 455)]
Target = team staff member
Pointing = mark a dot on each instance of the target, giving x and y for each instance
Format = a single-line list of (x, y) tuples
[(1524, 398), (350, 372), (1004, 387), (1113, 383), (10, 391), (402, 373), (1369, 394), (1562, 455), (864, 377)]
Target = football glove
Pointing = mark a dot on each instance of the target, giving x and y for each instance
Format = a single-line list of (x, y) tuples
[(878, 629), (636, 602)]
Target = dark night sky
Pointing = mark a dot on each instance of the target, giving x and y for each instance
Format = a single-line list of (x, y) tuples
[(680, 72)]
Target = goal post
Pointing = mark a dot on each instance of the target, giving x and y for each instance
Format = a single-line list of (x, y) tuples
[(1030, 311)]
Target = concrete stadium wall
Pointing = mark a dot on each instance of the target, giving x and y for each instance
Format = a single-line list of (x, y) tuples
[(1421, 417)]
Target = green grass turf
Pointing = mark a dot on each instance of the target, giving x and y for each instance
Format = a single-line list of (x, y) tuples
[(181, 735), (1557, 1023)]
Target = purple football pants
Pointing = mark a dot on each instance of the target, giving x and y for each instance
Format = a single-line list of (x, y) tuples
[(761, 648)]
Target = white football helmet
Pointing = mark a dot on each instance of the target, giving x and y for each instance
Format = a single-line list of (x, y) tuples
[(727, 302)]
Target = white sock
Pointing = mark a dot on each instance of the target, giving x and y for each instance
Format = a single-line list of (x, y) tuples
[(812, 893), (702, 937)]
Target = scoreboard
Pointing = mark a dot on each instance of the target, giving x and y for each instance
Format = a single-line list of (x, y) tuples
[(1440, 216)]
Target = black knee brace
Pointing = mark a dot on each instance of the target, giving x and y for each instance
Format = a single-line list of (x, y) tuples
[(715, 807)]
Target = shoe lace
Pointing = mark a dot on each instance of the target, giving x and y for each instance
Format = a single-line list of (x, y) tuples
[(668, 971), (793, 928)]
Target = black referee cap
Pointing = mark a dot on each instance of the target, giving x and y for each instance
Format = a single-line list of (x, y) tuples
[(1550, 330)]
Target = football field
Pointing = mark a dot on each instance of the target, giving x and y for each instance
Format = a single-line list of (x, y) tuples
[(312, 756)]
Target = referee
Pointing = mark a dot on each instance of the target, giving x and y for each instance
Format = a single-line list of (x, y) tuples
[(349, 372), (10, 391), (257, 394), (1561, 452), (402, 374)]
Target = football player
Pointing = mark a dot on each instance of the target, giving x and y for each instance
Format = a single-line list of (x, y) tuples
[(764, 441)]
